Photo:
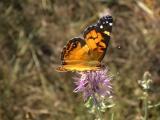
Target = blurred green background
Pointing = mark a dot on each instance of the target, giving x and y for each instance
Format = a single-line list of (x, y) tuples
[(32, 34)]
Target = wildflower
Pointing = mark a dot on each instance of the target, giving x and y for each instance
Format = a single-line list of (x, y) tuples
[(94, 84), (146, 82)]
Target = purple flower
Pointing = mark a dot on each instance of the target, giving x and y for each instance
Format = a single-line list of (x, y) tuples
[(95, 84)]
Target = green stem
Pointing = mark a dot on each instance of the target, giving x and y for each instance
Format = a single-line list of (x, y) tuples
[(146, 106), (99, 114), (97, 108), (112, 116)]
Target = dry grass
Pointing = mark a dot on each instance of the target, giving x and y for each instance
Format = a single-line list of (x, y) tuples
[(32, 34)]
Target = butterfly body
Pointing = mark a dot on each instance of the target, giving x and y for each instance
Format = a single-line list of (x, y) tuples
[(83, 54)]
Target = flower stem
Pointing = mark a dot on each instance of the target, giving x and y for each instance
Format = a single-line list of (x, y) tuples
[(146, 106), (97, 108), (112, 116), (99, 113)]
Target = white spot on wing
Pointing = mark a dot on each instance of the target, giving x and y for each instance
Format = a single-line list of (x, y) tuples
[(101, 26), (110, 24)]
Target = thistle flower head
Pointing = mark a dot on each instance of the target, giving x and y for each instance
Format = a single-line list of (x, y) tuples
[(94, 84)]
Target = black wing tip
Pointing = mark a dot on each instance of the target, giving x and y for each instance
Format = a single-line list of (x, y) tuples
[(107, 18)]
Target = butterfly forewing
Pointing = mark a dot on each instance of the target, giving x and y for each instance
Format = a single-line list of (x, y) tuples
[(97, 37), (86, 53)]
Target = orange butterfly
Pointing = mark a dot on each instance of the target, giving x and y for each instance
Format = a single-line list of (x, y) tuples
[(82, 54)]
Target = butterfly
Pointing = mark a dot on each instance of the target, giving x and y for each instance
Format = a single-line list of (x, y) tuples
[(84, 54)]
